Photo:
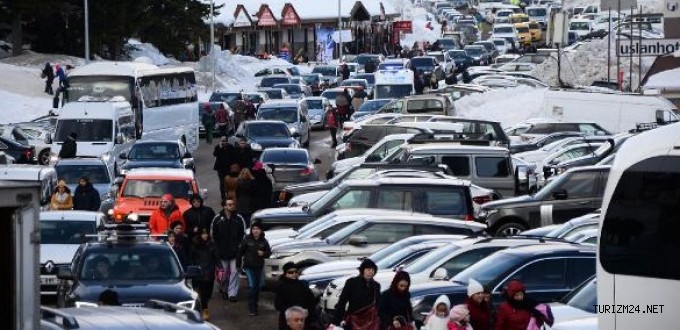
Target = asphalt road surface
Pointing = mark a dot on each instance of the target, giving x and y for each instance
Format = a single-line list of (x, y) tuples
[(225, 314)]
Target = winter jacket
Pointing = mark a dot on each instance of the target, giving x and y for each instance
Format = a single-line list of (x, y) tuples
[(181, 249), (86, 198), (359, 293), (434, 322), (245, 189), (244, 157), (204, 255), (69, 148), (230, 184), (48, 72), (294, 293), (455, 326), (224, 157), (208, 119), (67, 204), (392, 305), (263, 190), (197, 219), (345, 71), (160, 222), (480, 315), (221, 116), (249, 248), (510, 318), (331, 119), (228, 232), (63, 79)]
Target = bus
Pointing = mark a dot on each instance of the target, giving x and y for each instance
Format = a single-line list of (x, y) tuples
[(638, 276), (163, 99)]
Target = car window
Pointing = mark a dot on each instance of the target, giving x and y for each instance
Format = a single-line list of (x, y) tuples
[(386, 233), (154, 151), (130, 264), (72, 173), (66, 231), (459, 165), (395, 200), (580, 269), (545, 274), (156, 188), (332, 229), (497, 167), (589, 129), (445, 202), (580, 185), (353, 199), (464, 260), (416, 106)]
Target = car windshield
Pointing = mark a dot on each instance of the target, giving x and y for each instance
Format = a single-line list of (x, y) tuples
[(325, 70), (431, 258), (154, 151), (499, 42), (537, 12), (72, 173), (142, 188), (66, 231), (504, 29), (225, 97), (353, 82), (325, 199), (269, 82), (275, 94), (457, 54), (285, 156), (286, 115), (314, 104), (585, 298), (421, 62), (369, 77), (488, 269), (131, 263), (372, 105), (579, 26), (474, 51), (331, 95), (291, 89), (522, 29), (256, 130), (88, 130), (363, 59), (393, 91)]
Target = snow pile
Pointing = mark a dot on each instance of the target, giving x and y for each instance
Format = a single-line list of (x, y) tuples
[(505, 105), (136, 49), (37, 60), (425, 28), (588, 63)]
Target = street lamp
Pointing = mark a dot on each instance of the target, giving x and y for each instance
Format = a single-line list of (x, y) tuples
[(87, 33), (212, 40)]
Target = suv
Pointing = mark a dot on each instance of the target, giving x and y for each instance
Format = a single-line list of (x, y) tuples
[(61, 232), (416, 104), (376, 153), (364, 138), (440, 197), (365, 236), (548, 271), (141, 190), (427, 66), (540, 129), (167, 154), (127, 261), (96, 170), (574, 193)]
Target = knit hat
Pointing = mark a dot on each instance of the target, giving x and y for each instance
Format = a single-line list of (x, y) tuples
[(368, 263), (257, 224), (459, 313), (474, 287), (514, 287), (167, 197), (288, 266)]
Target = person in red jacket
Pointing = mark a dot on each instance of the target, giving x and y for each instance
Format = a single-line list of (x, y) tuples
[(518, 309), (166, 214), (480, 309)]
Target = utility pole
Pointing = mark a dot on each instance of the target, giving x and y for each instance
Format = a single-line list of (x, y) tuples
[(87, 32), (212, 41), (340, 29)]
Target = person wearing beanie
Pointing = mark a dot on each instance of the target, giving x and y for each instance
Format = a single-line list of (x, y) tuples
[(360, 296), (438, 319), (479, 307), (69, 149), (519, 310), (291, 291), (395, 303), (166, 213), (459, 318), (253, 250)]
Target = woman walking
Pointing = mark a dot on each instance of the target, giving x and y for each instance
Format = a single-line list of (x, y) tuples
[(245, 194), (332, 124), (360, 295), (254, 249), (518, 311), (204, 255), (395, 304)]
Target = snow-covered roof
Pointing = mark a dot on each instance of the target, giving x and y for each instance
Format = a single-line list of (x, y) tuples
[(669, 79), (308, 10)]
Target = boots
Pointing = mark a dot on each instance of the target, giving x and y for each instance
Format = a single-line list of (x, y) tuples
[(206, 315)]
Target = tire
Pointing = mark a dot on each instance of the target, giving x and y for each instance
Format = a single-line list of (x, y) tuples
[(509, 229), (44, 157)]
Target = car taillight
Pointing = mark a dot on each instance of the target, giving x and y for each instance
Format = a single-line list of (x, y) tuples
[(482, 199), (469, 217), (28, 153), (307, 171)]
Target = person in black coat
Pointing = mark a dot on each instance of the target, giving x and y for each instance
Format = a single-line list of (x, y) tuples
[(244, 155), (253, 250), (204, 254), (263, 188), (344, 71), (291, 291), (395, 303), (48, 74), (225, 156), (69, 148), (197, 217), (86, 198), (227, 231), (361, 292)]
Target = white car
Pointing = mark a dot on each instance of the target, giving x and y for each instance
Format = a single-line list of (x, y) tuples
[(502, 45), (376, 153), (61, 233), (581, 26), (506, 31), (502, 16)]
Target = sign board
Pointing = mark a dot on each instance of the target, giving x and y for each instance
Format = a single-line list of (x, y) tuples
[(346, 36), (266, 17), (394, 77), (615, 5), (646, 47), (406, 26), (289, 16), (242, 19), (558, 28), (671, 9)]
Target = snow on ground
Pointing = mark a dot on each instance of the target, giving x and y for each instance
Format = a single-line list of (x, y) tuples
[(505, 105), (425, 28)]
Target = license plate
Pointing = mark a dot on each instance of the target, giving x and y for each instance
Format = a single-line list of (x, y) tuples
[(48, 280)]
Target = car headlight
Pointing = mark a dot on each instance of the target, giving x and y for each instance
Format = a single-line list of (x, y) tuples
[(190, 304), (317, 117), (134, 217), (255, 146), (80, 304), (416, 301)]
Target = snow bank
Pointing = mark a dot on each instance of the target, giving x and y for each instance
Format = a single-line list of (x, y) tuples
[(507, 106), (19, 108), (425, 28), (136, 49), (588, 63), (38, 60)]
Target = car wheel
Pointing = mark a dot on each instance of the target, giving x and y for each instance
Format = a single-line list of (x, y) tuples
[(44, 157), (509, 229)]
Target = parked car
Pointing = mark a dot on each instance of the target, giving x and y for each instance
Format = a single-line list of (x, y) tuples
[(419, 104), (364, 138), (370, 78), (490, 48), (369, 107), (544, 128), (315, 81), (270, 81), (294, 91), (169, 154), (478, 54), (610, 147), (316, 107), (30, 135), (377, 153), (330, 74), (292, 112), (263, 134), (580, 303), (22, 154), (274, 93), (542, 141), (461, 58), (290, 166), (547, 149), (427, 66)]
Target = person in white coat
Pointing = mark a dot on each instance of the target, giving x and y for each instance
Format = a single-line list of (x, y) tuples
[(438, 318)]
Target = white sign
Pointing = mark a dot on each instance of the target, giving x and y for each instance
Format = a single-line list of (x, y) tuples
[(647, 47), (242, 20), (671, 9), (616, 5), (346, 36)]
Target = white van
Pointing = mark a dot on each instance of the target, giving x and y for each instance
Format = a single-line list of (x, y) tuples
[(615, 112), (637, 269), (104, 129), (46, 175), (393, 84)]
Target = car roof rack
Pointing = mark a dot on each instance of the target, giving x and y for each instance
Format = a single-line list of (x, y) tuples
[(170, 307), (54, 315), (447, 138), (125, 230)]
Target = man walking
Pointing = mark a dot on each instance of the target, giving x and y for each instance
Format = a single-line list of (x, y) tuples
[(228, 230), (198, 217), (48, 74), (224, 157)]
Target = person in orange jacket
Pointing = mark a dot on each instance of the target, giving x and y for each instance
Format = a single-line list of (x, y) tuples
[(166, 214)]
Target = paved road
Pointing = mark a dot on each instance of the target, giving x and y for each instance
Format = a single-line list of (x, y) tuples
[(225, 314)]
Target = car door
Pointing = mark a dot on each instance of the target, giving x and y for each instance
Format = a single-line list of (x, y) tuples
[(351, 199), (545, 280), (460, 261), (378, 236), (446, 201), (495, 172), (581, 193)]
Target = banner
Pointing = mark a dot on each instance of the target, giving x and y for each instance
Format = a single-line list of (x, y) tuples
[(324, 44)]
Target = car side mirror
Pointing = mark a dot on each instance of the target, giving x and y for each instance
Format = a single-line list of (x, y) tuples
[(357, 240), (122, 155), (64, 273), (317, 161), (193, 272), (560, 194), (296, 135), (440, 274)]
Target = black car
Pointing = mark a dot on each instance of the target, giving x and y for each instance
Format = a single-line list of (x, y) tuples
[(478, 54), (440, 197), (548, 272), (170, 154), (263, 134), (490, 47), (22, 154), (270, 81), (461, 58), (572, 194), (541, 141), (230, 98), (127, 261), (427, 66)]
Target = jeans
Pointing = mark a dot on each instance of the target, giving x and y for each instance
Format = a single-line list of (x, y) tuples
[(231, 282), (221, 174), (254, 276)]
